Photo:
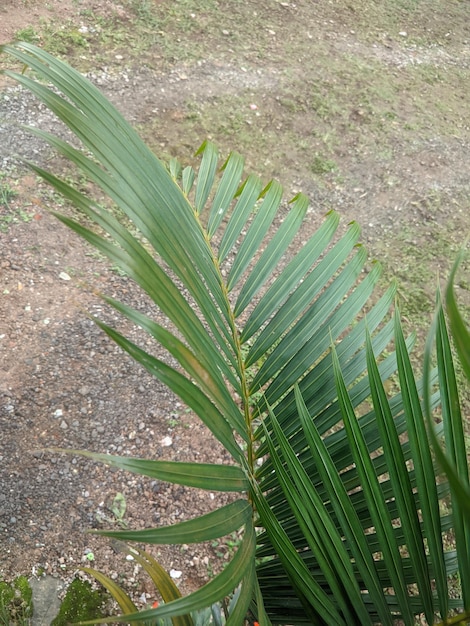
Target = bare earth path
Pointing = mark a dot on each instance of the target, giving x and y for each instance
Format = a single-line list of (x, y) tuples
[(366, 112)]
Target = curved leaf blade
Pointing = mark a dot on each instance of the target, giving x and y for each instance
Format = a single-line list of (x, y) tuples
[(160, 578), (201, 475), (400, 479), (219, 587), (238, 613), (139, 265), (460, 334), (248, 196), (215, 389), (273, 253), (153, 201), (345, 511), (206, 174), (455, 448), (292, 274), (121, 597), (373, 494), (256, 232), (187, 180), (318, 528), (226, 191), (214, 525), (423, 466)]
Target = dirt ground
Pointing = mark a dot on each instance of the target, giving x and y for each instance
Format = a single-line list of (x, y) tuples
[(364, 108)]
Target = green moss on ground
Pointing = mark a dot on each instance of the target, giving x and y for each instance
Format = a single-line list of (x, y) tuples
[(81, 603)]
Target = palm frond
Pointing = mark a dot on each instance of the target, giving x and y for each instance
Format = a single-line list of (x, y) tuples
[(279, 360)]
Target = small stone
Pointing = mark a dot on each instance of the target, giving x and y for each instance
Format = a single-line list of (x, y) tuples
[(166, 442), (64, 425), (175, 573), (58, 413), (64, 276), (225, 32)]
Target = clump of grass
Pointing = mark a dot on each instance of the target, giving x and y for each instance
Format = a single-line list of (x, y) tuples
[(321, 165), (16, 602), (7, 193)]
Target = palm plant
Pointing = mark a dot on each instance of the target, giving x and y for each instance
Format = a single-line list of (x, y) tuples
[(338, 493)]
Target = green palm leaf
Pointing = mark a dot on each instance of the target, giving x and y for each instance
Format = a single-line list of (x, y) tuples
[(346, 513), (423, 465), (454, 459), (125, 603), (201, 475), (221, 585), (213, 525), (378, 509), (318, 528), (162, 581), (399, 475), (273, 253), (226, 191), (293, 273), (254, 361), (455, 446), (257, 231), (459, 330)]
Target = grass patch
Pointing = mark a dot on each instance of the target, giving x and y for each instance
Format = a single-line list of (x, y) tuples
[(16, 602)]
